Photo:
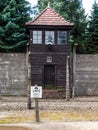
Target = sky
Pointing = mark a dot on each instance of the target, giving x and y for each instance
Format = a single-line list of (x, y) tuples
[(87, 4)]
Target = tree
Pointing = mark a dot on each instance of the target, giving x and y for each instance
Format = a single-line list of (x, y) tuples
[(92, 36), (13, 15), (34, 11), (72, 11)]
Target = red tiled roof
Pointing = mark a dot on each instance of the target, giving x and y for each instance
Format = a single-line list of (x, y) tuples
[(49, 17)]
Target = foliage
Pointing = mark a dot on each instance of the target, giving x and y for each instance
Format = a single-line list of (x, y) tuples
[(13, 15), (92, 31), (34, 11), (72, 11)]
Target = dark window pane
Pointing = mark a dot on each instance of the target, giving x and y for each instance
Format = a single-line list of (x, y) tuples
[(62, 36)]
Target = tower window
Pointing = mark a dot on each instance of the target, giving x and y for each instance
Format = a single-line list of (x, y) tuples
[(62, 37), (49, 37), (37, 37)]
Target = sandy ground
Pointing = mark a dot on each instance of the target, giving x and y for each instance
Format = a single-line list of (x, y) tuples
[(12, 128), (52, 126), (9, 105)]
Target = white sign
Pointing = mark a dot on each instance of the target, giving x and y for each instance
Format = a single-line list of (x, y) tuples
[(36, 91), (49, 59)]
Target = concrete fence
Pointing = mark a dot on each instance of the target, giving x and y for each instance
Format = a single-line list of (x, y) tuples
[(13, 74), (86, 75)]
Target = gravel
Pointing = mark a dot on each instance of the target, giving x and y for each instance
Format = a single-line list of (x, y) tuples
[(20, 103), (9, 105)]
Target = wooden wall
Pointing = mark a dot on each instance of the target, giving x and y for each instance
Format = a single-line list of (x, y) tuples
[(38, 60)]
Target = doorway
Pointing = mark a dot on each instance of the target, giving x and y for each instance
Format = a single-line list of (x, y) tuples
[(49, 76)]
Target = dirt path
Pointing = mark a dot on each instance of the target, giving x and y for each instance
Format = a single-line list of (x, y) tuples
[(52, 126)]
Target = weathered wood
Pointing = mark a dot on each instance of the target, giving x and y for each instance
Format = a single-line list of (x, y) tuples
[(38, 58)]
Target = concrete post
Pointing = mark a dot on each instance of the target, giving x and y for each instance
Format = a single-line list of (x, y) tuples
[(74, 69), (28, 78), (67, 79)]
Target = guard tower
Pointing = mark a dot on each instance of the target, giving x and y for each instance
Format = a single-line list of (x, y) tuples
[(49, 48)]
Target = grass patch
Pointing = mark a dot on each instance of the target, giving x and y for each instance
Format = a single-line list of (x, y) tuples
[(12, 120), (29, 116)]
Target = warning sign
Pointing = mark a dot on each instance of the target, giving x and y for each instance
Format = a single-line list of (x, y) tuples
[(36, 91)]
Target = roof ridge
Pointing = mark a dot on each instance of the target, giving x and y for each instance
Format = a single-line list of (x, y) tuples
[(39, 20), (40, 13), (37, 16), (59, 15)]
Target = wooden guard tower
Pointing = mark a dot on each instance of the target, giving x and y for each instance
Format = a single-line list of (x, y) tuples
[(49, 48)]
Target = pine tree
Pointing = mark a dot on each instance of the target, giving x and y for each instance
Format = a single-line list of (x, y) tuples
[(72, 11), (92, 38), (13, 15)]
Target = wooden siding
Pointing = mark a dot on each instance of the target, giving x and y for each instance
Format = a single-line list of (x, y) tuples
[(61, 76), (38, 58), (36, 74), (44, 48)]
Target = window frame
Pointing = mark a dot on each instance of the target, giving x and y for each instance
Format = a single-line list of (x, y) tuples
[(43, 35), (50, 33), (37, 39), (59, 43)]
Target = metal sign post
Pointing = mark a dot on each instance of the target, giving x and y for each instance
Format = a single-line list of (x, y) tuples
[(36, 93)]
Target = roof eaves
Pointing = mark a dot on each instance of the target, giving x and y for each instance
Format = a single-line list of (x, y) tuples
[(37, 16), (66, 22)]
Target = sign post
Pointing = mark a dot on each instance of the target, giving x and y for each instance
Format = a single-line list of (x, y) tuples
[(37, 110), (36, 92)]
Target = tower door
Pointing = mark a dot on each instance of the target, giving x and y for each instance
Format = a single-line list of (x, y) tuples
[(49, 76)]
